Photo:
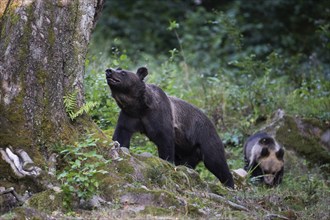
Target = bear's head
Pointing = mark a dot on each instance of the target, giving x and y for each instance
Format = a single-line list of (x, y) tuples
[(125, 81), (270, 160), (128, 89)]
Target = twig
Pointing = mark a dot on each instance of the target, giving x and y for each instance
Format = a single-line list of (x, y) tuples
[(230, 203), (218, 198), (13, 192), (272, 216)]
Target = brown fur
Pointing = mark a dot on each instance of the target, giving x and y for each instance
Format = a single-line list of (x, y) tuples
[(270, 165), (183, 133)]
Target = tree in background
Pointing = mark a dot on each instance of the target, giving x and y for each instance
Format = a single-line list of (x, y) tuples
[(285, 26)]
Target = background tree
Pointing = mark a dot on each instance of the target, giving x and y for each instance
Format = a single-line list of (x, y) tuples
[(43, 44)]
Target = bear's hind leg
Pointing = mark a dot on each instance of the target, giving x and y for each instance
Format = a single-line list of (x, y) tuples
[(216, 163), (190, 161)]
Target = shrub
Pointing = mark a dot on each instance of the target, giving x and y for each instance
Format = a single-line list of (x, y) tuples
[(79, 176)]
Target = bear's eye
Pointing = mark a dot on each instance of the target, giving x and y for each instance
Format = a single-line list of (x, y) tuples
[(122, 73)]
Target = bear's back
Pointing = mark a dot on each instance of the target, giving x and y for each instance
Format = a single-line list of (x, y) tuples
[(187, 116)]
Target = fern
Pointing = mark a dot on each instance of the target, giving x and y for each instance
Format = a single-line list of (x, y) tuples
[(70, 104), (84, 109)]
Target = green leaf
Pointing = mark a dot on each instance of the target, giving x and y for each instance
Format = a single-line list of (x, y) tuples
[(173, 25), (77, 163), (115, 62), (123, 57), (62, 175)]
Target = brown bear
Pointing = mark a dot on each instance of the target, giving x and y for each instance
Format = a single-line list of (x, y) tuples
[(183, 133)]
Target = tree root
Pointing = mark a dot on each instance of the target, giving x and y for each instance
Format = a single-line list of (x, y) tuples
[(20, 163)]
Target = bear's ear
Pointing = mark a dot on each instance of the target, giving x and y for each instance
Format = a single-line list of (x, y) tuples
[(142, 72)]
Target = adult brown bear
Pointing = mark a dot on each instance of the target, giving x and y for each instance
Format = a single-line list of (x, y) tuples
[(182, 133)]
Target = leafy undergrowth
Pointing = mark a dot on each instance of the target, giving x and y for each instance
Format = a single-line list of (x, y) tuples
[(303, 194), (142, 186)]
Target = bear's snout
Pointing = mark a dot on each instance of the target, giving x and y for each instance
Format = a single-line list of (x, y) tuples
[(112, 77), (108, 72)]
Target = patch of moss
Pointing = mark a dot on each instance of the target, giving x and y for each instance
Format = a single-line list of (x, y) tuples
[(51, 33), (188, 178), (290, 136), (125, 169), (13, 130), (194, 210), (11, 19), (12, 119), (41, 76), (112, 186), (23, 212), (218, 189), (153, 162), (12, 124), (157, 211), (47, 201), (161, 198)]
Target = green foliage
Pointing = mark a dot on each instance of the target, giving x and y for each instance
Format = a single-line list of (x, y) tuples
[(70, 104), (96, 87), (267, 27), (173, 25), (305, 195), (139, 24), (236, 65), (311, 99), (140, 143), (215, 42), (84, 164)]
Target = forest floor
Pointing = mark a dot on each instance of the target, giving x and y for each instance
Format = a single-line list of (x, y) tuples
[(303, 194)]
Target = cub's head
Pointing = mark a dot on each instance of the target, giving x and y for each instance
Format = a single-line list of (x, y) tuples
[(271, 161), (120, 80)]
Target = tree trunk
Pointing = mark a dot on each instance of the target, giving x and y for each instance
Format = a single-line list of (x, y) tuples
[(43, 44)]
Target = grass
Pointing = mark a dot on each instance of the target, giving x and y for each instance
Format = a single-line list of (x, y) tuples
[(235, 109), (303, 194)]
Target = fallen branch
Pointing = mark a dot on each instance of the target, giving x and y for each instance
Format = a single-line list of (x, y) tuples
[(11, 190), (275, 216), (218, 198), (230, 203)]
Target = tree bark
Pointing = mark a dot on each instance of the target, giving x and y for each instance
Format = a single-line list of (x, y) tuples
[(43, 44)]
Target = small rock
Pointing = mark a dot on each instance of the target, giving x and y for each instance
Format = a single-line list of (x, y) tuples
[(240, 172)]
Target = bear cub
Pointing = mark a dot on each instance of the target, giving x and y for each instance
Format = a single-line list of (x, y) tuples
[(264, 158), (182, 133)]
